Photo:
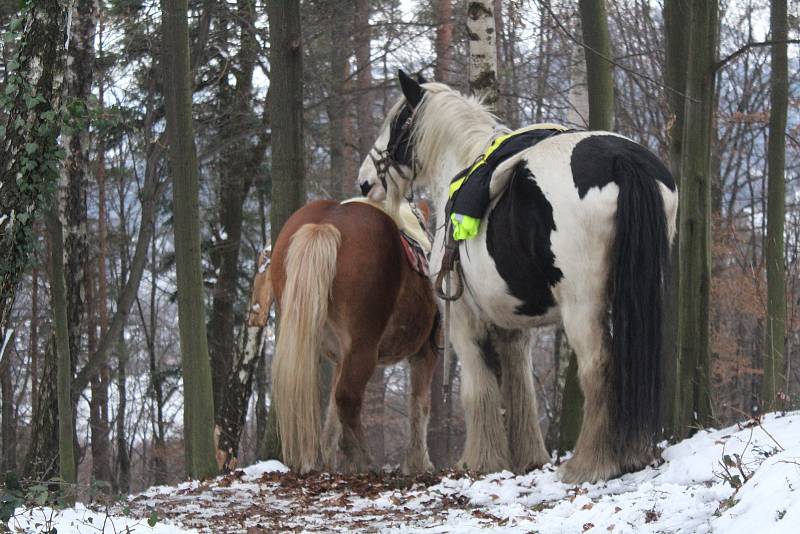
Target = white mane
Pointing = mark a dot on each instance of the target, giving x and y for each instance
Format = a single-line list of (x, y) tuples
[(449, 121)]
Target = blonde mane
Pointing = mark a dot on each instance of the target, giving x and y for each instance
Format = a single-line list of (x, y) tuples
[(450, 121)]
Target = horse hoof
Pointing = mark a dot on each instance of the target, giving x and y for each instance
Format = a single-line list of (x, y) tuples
[(573, 472)]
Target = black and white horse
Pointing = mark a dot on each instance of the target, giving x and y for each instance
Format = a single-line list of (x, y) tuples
[(578, 231)]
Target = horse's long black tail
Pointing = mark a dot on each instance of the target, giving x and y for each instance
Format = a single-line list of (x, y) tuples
[(640, 258)]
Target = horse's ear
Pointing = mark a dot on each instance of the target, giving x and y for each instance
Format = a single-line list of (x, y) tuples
[(421, 79), (412, 90)]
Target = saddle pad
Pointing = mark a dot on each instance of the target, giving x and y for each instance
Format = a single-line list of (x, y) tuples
[(417, 258), (405, 220)]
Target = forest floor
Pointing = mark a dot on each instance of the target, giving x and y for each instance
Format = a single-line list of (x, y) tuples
[(742, 479)]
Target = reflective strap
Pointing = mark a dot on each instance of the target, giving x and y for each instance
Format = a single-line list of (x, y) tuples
[(464, 226), (454, 186)]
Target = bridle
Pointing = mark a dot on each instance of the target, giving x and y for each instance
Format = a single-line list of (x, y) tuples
[(387, 159)]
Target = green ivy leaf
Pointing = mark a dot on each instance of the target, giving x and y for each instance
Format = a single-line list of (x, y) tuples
[(153, 519), (30, 148)]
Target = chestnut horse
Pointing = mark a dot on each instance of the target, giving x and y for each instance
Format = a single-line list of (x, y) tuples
[(351, 295)]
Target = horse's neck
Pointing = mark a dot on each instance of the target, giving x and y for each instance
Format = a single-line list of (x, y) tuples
[(456, 155)]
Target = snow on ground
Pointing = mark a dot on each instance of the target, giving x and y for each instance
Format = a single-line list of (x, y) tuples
[(691, 492)]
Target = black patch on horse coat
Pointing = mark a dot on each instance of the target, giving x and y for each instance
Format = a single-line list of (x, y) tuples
[(593, 162), (400, 149), (518, 239), (491, 358)]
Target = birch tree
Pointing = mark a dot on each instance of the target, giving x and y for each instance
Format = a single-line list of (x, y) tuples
[(482, 51)]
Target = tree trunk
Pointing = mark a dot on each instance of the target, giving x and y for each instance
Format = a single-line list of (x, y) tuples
[(482, 51), (694, 353), (444, 41), (337, 103), (158, 457), (29, 150), (364, 98), (123, 485), (198, 418), (78, 82), (58, 301), (238, 166), (578, 113), (286, 99), (237, 390), (41, 462), (676, 20), (8, 460), (33, 338), (101, 456), (774, 382), (600, 83)]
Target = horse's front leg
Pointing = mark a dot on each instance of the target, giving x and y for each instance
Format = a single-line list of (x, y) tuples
[(519, 400), (419, 407), (486, 447)]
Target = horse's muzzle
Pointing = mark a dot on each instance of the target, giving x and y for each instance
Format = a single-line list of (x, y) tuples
[(365, 188)]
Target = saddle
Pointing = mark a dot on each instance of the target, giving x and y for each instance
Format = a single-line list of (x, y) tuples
[(472, 189)]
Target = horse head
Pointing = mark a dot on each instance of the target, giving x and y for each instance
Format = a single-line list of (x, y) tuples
[(389, 169)]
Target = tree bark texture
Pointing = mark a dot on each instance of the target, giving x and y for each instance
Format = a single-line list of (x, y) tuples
[(8, 427), (482, 51), (58, 301), (286, 100), (338, 103), (676, 20), (599, 70), (774, 381), (237, 390), (28, 161), (444, 41), (364, 95), (196, 368), (42, 460), (123, 478), (78, 86), (238, 164), (694, 352)]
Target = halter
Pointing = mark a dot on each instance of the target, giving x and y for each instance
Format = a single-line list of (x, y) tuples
[(384, 159)]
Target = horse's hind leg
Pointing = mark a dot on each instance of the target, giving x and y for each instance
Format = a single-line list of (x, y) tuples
[(419, 407), (594, 458), (356, 369), (519, 400), (333, 428), (486, 445)]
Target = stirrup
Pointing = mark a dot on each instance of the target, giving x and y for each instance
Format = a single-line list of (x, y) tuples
[(450, 264)]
